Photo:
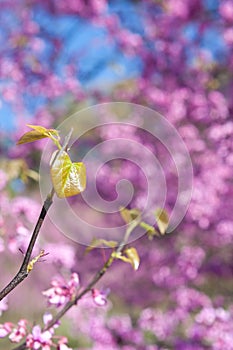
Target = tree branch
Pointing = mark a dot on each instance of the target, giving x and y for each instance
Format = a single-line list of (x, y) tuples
[(23, 271), (96, 278), (91, 284)]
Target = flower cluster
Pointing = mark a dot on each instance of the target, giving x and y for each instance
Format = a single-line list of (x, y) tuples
[(61, 291), (36, 338), (173, 56)]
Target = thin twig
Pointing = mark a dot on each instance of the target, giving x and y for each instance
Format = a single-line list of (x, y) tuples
[(96, 278), (23, 271), (91, 284)]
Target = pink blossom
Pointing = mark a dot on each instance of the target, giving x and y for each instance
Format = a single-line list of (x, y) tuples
[(228, 36), (190, 261), (61, 254), (62, 344), (62, 291), (39, 339), (179, 75), (24, 206), (226, 10), (100, 297), (160, 323), (5, 329), (190, 299), (47, 317), (19, 332)]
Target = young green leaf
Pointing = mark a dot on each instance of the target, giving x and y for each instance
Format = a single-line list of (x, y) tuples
[(150, 230), (125, 214), (34, 260), (38, 133), (18, 168), (100, 242), (162, 220), (132, 255), (129, 215), (118, 255), (68, 178)]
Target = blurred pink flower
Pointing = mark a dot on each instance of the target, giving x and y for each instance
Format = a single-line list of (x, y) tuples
[(61, 254), (5, 329), (39, 339), (24, 206), (62, 291), (228, 36), (100, 297), (226, 10), (62, 344), (19, 332)]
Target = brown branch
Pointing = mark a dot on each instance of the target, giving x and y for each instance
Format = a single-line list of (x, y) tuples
[(96, 278), (91, 284), (23, 271)]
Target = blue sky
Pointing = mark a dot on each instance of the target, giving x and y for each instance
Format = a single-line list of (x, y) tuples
[(101, 64)]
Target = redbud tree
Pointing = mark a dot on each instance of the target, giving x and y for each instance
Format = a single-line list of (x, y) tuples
[(174, 57)]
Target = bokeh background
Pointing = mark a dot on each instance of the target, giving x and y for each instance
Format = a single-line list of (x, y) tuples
[(176, 57)]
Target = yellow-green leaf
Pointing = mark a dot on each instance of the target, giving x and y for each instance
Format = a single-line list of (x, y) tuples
[(147, 227), (150, 230), (129, 215), (162, 220), (31, 136), (17, 168), (151, 235), (32, 174), (38, 133), (125, 214), (133, 256), (100, 242), (39, 128), (44, 131), (68, 178), (33, 261), (118, 255)]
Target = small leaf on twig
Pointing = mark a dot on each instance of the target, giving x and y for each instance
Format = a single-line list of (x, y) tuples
[(38, 133), (131, 257), (100, 242), (18, 168), (68, 178), (33, 261), (132, 254), (129, 215), (162, 220), (150, 230)]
